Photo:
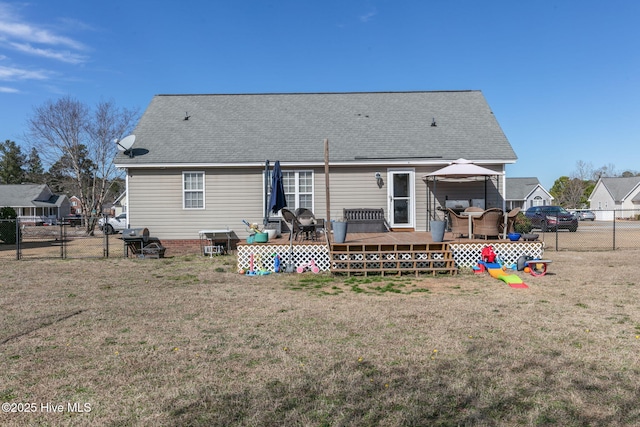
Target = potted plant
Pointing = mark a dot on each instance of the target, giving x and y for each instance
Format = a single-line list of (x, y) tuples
[(522, 225)]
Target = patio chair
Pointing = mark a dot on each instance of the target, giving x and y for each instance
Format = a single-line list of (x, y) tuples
[(487, 224), (309, 224), (511, 219), (473, 209), (459, 224), (304, 215), (292, 221)]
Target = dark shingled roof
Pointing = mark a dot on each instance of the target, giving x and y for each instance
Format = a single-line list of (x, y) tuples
[(620, 187), (361, 127), (20, 195), (519, 188)]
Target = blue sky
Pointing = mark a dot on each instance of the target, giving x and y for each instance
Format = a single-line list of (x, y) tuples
[(562, 77)]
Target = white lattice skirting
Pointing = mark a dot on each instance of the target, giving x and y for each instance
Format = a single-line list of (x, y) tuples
[(264, 256), (468, 254), (464, 254)]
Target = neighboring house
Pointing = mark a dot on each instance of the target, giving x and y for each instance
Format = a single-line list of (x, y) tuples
[(620, 194), (120, 204), (76, 205), (35, 203), (198, 161), (526, 192)]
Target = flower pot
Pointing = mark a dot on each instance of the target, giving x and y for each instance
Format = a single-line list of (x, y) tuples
[(339, 231), (271, 232), (437, 230), (261, 238), (514, 237)]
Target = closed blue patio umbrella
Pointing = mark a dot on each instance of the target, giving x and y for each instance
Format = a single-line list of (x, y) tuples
[(278, 199)]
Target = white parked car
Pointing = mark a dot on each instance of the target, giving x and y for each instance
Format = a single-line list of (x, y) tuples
[(114, 224)]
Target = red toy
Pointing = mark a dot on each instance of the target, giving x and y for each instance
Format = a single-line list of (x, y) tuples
[(487, 254)]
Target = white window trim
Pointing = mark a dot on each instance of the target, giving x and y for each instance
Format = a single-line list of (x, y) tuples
[(204, 198), (297, 192)]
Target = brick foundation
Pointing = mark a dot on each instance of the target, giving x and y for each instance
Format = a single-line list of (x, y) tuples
[(182, 247), (185, 247)]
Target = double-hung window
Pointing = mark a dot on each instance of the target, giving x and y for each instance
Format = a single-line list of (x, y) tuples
[(298, 187), (193, 190)]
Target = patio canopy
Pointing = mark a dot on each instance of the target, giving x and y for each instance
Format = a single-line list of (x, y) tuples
[(460, 170)]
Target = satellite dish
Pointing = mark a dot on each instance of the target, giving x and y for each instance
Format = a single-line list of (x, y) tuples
[(126, 144)]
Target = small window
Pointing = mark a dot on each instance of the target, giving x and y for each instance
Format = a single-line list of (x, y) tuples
[(193, 190)]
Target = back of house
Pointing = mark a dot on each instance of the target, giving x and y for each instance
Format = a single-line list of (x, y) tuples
[(199, 161)]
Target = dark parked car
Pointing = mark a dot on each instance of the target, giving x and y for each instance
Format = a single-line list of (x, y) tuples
[(585, 215), (551, 218)]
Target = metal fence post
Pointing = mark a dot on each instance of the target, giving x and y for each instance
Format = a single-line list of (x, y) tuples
[(106, 244), (18, 239), (614, 229), (61, 237), (557, 237)]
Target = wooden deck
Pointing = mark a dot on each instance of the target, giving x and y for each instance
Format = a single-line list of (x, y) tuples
[(383, 253), (392, 237)]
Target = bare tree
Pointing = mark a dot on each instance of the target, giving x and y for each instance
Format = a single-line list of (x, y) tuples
[(67, 129), (605, 171), (584, 171), (108, 123)]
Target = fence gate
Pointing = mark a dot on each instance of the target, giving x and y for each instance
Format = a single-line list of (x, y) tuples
[(61, 240)]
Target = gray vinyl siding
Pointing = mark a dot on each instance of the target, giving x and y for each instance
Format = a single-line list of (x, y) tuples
[(539, 192), (353, 188), (231, 195), (155, 198)]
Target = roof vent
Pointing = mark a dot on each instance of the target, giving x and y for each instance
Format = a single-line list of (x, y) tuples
[(433, 122)]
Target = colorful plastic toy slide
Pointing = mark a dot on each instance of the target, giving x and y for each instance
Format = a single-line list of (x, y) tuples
[(513, 280)]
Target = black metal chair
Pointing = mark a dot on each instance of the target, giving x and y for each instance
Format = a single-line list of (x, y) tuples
[(309, 225), (293, 223)]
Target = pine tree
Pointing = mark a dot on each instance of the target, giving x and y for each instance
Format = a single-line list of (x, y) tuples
[(34, 169), (11, 163)]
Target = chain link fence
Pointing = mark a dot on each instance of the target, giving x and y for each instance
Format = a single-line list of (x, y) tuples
[(64, 239), (610, 230)]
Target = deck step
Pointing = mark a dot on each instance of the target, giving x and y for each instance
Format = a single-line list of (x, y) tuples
[(381, 259)]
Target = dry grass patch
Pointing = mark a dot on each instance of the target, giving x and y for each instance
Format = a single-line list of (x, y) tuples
[(186, 341)]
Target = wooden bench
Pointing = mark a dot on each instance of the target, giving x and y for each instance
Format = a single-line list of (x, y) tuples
[(365, 220)]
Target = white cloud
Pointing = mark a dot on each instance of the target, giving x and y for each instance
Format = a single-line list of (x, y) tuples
[(368, 16), (63, 56), (31, 33), (13, 74), (36, 40), (4, 89)]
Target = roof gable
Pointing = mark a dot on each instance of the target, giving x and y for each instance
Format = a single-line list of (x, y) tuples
[(361, 128), (22, 195), (521, 188), (620, 187)]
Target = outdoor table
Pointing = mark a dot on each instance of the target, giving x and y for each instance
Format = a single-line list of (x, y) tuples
[(209, 236), (470, 216), (309, 232)]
